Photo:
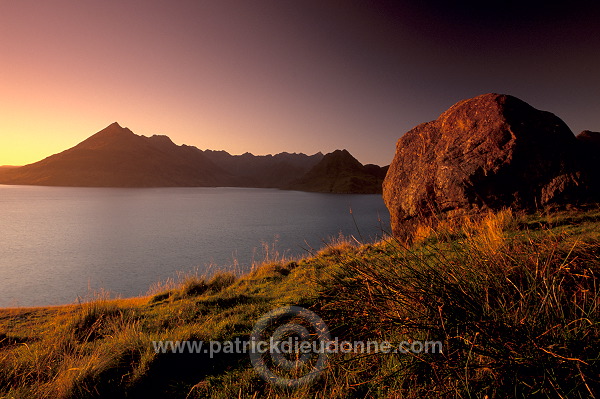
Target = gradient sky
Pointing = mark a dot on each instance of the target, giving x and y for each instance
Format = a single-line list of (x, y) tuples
[(273, 76)]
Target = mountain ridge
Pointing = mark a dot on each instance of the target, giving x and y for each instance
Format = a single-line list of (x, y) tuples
[(117, 157), (265, 171)]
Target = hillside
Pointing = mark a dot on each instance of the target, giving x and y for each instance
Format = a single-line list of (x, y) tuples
[(513, 300), (340, 172)]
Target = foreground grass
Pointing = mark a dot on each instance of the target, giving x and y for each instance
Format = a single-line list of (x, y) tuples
[(514, 300)]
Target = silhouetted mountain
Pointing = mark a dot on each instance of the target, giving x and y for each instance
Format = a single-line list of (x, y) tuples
[(116, 157), (265, 170), (340, 172)]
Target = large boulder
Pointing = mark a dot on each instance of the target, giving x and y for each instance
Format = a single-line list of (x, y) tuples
[(488, 152), (589, 151)]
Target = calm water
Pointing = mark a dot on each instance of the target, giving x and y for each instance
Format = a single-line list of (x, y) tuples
[(58, 244)]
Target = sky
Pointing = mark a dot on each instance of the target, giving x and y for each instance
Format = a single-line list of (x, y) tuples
[(272, 76)]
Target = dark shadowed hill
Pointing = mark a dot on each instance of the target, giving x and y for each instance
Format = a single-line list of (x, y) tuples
[(340, 172), (116, 157)]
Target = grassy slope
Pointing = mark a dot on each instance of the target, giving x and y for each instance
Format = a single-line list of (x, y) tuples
[(515, 301)]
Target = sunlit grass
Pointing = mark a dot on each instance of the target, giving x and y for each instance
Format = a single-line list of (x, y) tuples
[(513, 298)]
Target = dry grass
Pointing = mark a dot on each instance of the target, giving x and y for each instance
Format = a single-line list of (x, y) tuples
[(191, 285), (339, 245), (514, 299), (518, 313)]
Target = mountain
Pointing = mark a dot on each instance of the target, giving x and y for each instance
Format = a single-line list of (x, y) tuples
[(267, 171), (340, 172), (116, 157)]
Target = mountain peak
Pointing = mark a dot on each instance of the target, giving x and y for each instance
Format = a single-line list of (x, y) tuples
[(114, 125), (340, 172), (343, 152), (341, 159), (111, 135), (113, 129)]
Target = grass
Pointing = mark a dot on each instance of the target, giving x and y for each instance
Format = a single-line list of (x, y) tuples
[(514, 299), (517, 311)]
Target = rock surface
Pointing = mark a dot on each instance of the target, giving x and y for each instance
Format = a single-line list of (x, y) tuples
[(589, 148), (487, 152)]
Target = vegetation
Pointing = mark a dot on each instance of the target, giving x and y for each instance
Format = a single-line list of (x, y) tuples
[(514, 300)]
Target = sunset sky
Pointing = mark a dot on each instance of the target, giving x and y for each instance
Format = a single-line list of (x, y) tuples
[(273, 76)]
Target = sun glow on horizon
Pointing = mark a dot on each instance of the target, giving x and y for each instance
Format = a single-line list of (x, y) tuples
[(280, 77), (23, 142)]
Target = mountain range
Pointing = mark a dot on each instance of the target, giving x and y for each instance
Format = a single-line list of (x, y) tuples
[(117, 157)]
